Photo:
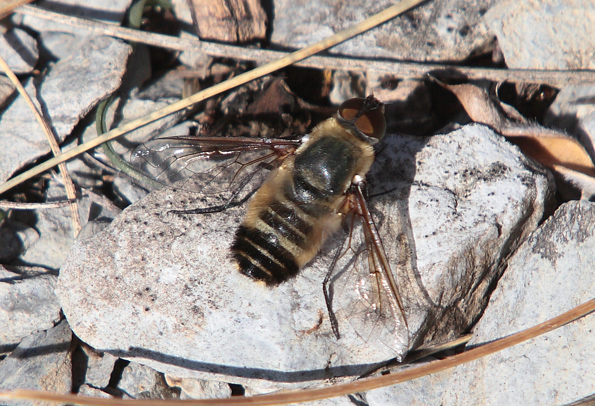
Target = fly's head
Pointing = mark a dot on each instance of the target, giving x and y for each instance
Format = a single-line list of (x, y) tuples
[(364, 118)]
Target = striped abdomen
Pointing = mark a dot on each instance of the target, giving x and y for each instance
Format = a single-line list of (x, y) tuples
[(297, 208), (270, 250)]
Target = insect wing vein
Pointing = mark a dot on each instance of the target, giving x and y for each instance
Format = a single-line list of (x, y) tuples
[(210, 165), (364, 294)]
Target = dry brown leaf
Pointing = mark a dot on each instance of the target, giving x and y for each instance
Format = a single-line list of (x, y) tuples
[(478, 104), (553, 149)]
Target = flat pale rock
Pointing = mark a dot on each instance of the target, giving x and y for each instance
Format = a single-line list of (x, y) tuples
[(6, 89), (111, 11), (199, 389), (19, 50), (27, 304), (550, 273), (161, 289), (545, 34), (56, 236), (142, 382), (70, 89), (435, 31), (98, 367), (41, 361)]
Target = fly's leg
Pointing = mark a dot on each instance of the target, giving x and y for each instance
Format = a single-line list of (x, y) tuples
[(327, 286)]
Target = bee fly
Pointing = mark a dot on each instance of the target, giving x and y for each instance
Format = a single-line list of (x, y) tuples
[(315, 184), (305, 200)]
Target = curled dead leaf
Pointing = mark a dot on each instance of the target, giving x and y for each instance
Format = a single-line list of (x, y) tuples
[(478, 104), (554, 149)]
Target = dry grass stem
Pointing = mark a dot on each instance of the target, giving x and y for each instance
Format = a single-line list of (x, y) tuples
[(69, 186), (556, 78), (338, 390), (4, 205)]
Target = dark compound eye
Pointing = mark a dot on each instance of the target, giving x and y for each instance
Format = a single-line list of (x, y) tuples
[(367, 115)]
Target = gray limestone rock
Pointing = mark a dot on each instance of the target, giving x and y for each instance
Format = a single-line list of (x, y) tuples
[(41, 361), (60, 44), (10, 243), (142, 382), (549, 274), (72, 87), (99, 367), (19, 50), (54, 226), (113, 11), (27, 303), (6, 89), (448, 30), (88, 390), (548, 34), (199, 389)]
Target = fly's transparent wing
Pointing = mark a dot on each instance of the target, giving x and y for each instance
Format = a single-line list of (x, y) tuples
[(364, 291), (210, 166)]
